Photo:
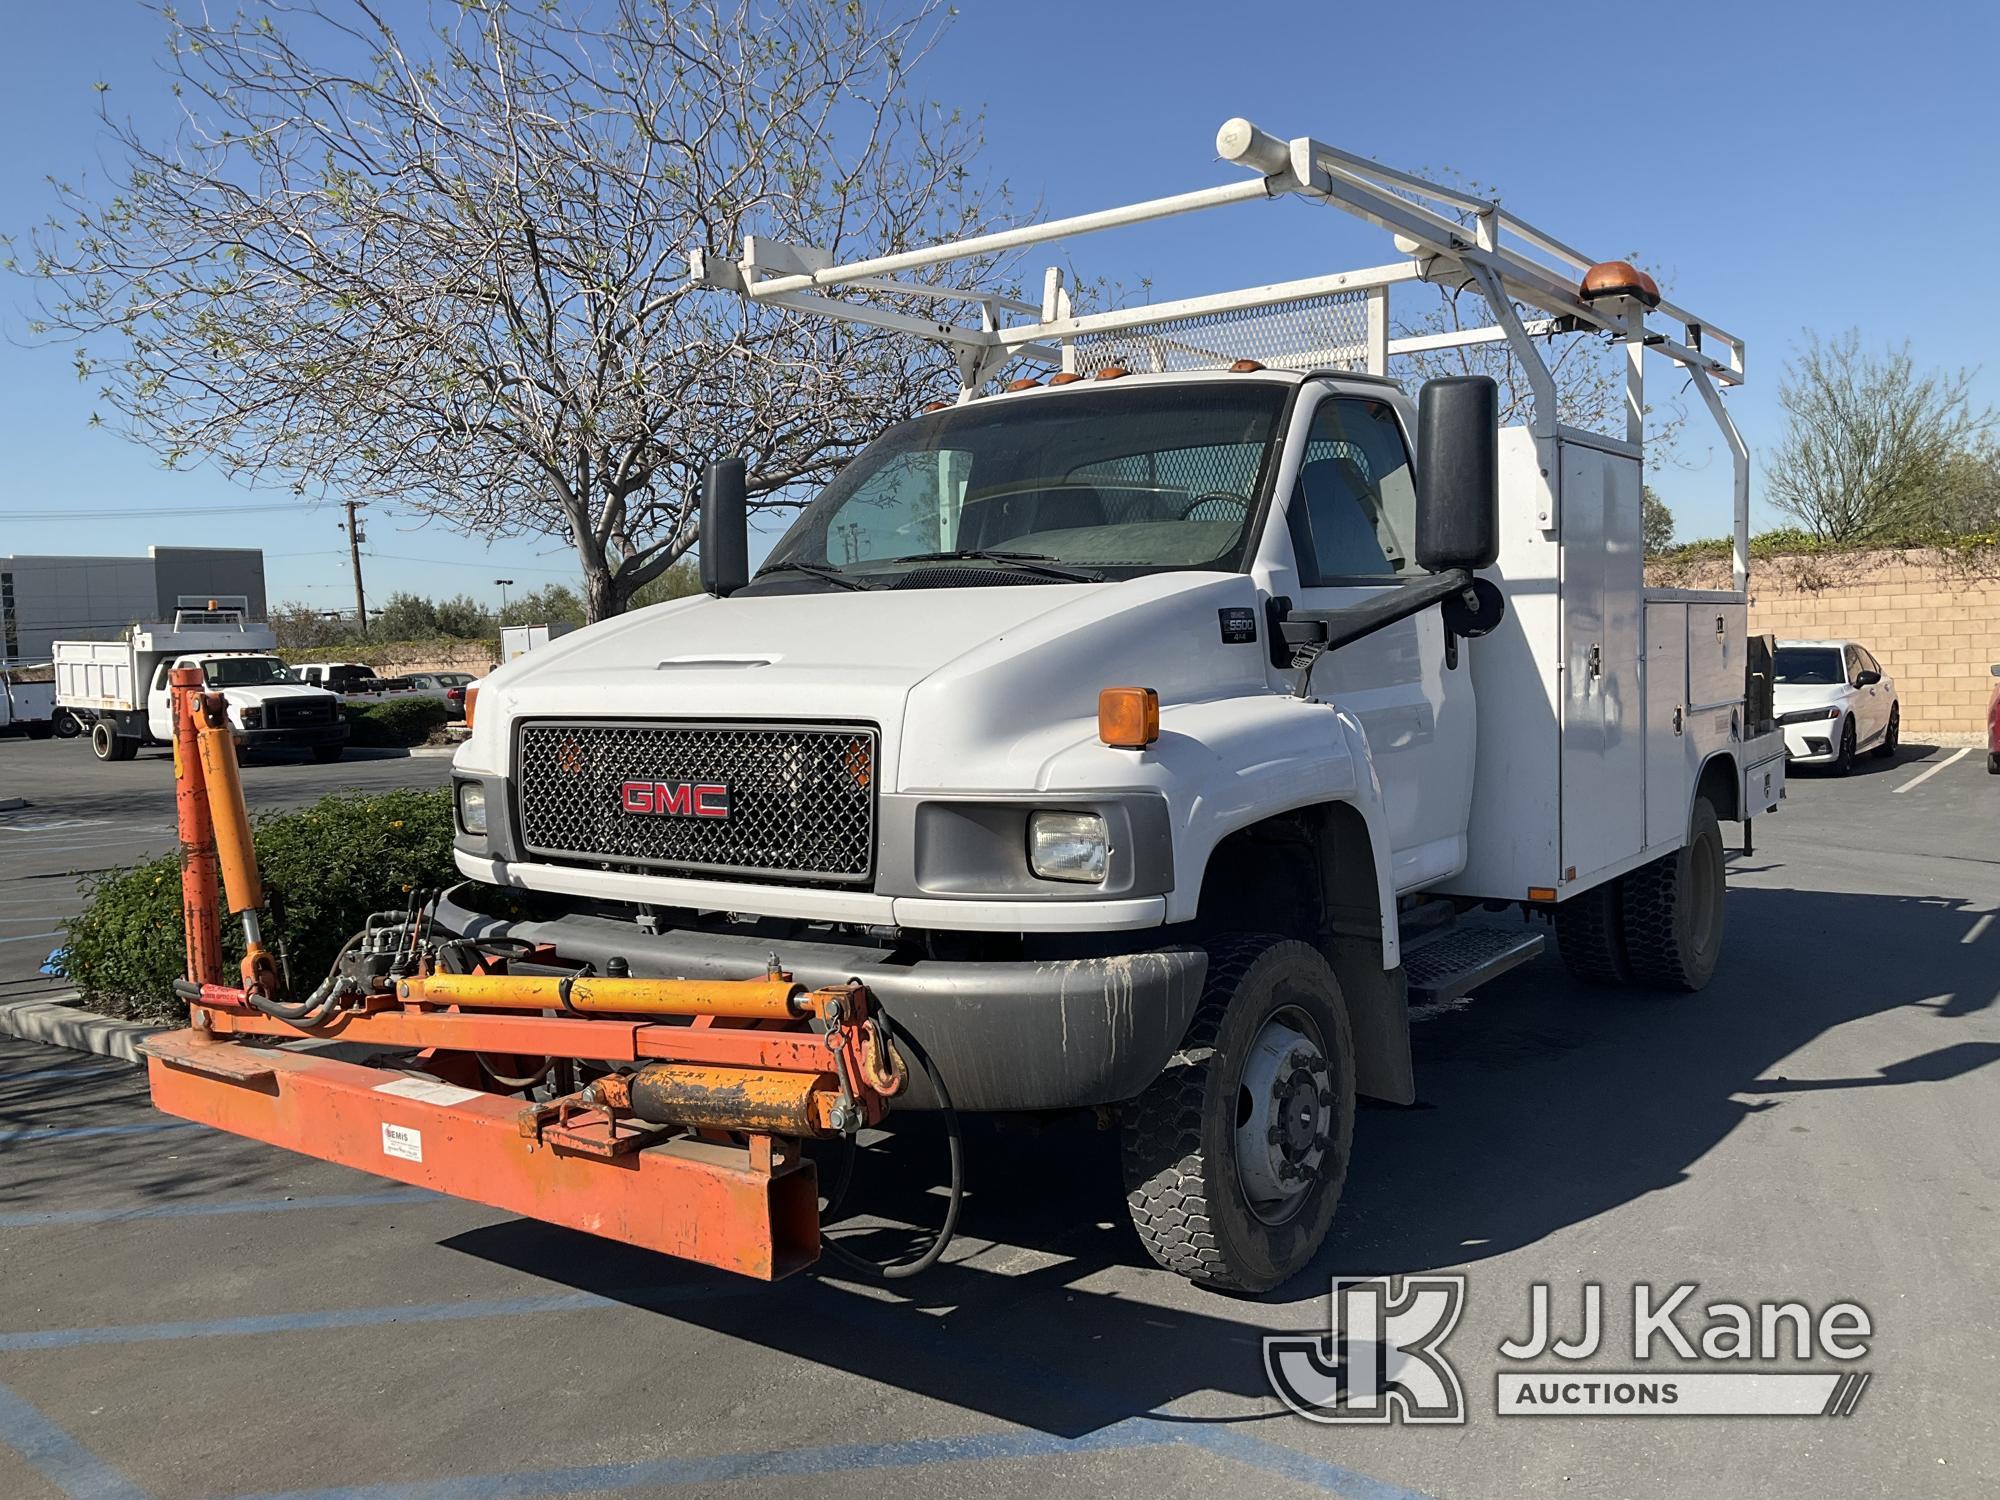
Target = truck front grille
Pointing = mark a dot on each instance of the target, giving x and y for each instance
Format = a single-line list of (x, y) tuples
[(297, 713), (797, 803)]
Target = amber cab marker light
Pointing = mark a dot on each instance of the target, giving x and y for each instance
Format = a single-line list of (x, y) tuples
[(1067, 377), (1128, 718), (1025, 383), (1541, 893), (1113, 372), (1245, 367), (471, 697)]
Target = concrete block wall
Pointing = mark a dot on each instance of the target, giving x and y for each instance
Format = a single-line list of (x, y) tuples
[(1933, 619)]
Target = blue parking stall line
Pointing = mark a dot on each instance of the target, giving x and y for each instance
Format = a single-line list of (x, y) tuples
[(210, 1207), (28, 1135), (59, 1458), (795, 1463), (1289, 1463), (644, 1299)]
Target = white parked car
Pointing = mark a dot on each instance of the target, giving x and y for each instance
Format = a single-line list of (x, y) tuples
[(1833, 700)]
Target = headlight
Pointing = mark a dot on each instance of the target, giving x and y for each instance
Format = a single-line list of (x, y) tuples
[(253, 718), (1067, 846), (472, 807)]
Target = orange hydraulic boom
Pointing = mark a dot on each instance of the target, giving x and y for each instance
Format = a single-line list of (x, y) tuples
[(666, 1113)]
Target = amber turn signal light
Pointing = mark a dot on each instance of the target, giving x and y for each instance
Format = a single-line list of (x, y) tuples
[(471, 697), (1128, 718)]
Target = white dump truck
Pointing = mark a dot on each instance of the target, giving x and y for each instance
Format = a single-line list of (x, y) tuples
[(1156, 732), (118, 690)]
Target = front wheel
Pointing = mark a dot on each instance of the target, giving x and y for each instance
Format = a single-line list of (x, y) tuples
[(1843, 760), (1235, 1156)]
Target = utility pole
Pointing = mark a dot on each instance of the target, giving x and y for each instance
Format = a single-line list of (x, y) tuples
[(503, 582), (354, 541)]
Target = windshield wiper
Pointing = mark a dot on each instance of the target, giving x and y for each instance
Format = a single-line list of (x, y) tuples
[(817, 570), (1033, 562)]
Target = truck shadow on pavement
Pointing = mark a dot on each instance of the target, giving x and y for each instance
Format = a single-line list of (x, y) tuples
[(1544, 1104)]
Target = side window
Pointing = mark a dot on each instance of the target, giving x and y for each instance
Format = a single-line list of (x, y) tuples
[(1353, 514), (160, 676), (1853, 664)]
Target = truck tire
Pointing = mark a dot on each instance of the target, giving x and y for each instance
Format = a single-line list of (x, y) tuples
[(66, 726), (1672, 910), (1269, 1054), (1590, 937), (107, 744), (325, 753)]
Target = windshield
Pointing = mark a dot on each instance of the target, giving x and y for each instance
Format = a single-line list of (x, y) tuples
[(1113, 482), (245, 671), (1808, 666)]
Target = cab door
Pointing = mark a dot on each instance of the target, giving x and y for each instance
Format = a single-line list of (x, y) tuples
[(1352, 520), (159, 705)]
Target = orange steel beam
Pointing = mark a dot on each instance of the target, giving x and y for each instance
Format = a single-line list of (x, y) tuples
[(594, 1040), (698, 1200), (740, 999), (201, 911)]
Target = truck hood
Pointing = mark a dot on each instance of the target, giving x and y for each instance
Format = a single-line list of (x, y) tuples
[(245, 697), (1787, 697), (966, 666)]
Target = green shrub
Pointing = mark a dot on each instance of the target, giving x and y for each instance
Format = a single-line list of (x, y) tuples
[(395, 722), (326, 867)]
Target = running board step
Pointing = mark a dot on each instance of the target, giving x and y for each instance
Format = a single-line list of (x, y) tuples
[(1456, 962)]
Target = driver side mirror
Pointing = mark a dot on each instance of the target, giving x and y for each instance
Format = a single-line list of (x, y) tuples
[(725, 528), (1458, 473)]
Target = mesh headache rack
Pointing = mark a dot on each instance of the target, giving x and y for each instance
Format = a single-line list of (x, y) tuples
[(1532, 283)]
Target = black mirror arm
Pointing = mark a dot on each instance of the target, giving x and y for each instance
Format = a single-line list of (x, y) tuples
[(1311, 633)]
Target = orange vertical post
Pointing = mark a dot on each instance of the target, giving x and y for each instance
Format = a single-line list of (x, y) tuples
[(201, 907)]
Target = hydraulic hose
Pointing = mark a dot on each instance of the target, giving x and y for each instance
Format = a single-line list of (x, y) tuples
[(321, 1000), (955, 1145)]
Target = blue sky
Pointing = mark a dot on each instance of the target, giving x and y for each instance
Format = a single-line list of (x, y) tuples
[(1785, 165)]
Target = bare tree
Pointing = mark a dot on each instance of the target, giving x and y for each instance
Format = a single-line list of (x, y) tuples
[(444, 265), (1871, 440)]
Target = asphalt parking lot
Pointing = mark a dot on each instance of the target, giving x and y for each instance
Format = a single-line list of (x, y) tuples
[(187, 1314)]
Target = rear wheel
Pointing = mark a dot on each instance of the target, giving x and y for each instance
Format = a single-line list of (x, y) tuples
[(1591, 939), (1993, 762), (1893, 735), (1671, 910), (1235, 1156), (66, 726), (107, 744), (1843, 760)]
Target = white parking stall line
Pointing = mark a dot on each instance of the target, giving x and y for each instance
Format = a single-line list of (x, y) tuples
[(53, 827), (1922, 776), (29, 936), (1978, 929)]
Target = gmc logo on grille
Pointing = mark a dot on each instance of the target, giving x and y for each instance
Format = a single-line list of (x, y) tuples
[(675, 799)]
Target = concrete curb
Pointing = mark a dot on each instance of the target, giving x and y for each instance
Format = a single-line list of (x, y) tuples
[(56, 1024), (9, 804)]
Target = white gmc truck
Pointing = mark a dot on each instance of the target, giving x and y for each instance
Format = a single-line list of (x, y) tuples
[(1145, 735)]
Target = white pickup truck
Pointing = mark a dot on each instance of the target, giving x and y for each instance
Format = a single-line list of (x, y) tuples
[(1155, 736), (27, 702), (118, 690)]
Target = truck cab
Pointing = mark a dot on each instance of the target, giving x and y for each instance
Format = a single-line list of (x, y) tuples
[(1154, 733), (267, 705)]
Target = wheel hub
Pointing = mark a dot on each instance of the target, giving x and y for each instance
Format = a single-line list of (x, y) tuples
[(1284, 1118)]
